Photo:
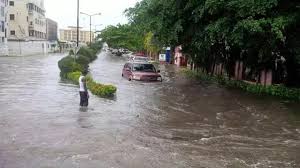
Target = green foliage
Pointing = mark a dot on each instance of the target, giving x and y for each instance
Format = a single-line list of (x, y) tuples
[(71, 69), (83, 60), (71, 52), (74, 77), (67, 65), (88, 52), (100, 89), (273, 90), (150, 44), (97, 46), (212, 31), (96, 88), (123, 36)]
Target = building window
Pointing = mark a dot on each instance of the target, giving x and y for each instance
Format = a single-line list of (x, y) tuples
[(31, 33), (11, 3), (12, 32), (2, 11), (12, 17), (2, 26)]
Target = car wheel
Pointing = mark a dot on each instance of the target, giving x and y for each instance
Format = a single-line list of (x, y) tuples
[(130, 78), (122, 75)]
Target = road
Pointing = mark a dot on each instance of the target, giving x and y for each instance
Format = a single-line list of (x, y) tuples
[(178, 123)]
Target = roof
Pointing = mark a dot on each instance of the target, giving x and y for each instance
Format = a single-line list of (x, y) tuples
[(138, 62)]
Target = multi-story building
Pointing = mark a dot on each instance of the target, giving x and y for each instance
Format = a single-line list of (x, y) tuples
[(27, 34), (52, 29), (70, 35), (3, 27)]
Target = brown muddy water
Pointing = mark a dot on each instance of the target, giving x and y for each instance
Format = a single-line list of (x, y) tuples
[(178, 123)]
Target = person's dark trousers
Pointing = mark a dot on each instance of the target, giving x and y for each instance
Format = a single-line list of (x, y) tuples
[(84, 100)]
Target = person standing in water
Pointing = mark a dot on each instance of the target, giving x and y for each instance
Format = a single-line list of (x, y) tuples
[(83, 91)]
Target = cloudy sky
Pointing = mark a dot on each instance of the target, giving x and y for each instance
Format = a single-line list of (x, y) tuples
[(64, 12)]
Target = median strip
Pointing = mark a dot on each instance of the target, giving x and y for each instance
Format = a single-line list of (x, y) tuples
[(71, 68)]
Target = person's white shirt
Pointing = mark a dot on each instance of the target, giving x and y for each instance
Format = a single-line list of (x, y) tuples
[(81, 84)]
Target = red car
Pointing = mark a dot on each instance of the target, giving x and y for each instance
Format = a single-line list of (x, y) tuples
[(141, 71)]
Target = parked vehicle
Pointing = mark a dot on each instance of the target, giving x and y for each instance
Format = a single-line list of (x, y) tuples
[(141, 71), (138, 59)]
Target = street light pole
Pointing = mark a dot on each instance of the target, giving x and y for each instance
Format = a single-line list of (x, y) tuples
[(77, 23), (90, 24)]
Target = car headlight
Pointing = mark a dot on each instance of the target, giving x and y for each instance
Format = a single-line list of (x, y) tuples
[(159, 78)]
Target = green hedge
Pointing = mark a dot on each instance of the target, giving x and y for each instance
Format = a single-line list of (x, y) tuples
[(67, 65), (96, 88), (88, 52), (71, 64), (83, 60), (100, 89), (71, 69), (273, 90)]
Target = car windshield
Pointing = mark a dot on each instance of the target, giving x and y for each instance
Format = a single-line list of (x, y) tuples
[(144, 68)]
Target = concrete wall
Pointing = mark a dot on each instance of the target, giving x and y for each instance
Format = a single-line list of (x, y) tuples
[(3, 49), (25, 48)]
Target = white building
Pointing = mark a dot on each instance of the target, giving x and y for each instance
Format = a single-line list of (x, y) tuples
[(26, 27), (3, 27), (70, 35)]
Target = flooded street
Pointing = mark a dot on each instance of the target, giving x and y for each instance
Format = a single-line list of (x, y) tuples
[(177, 123)]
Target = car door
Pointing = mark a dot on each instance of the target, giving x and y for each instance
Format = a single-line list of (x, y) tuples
[(125, 70), (129, 70)]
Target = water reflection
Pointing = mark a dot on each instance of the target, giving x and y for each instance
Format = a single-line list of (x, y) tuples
[(84, 118)]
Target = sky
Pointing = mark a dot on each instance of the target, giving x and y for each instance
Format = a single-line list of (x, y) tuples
[(64, 12)]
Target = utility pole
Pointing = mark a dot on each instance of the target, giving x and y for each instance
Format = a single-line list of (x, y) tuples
[(90, 23), (77, 23)]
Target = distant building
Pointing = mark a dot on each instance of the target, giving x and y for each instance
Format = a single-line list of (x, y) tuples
[(26, 27), (3, 27), (70, 35), (52, 30)]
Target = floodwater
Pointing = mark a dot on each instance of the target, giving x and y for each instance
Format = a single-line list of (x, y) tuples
[(175, 124)]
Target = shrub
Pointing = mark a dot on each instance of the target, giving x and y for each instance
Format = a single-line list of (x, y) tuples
[(273, 90), (83, 60), (91, 54), (72, 70), (101, 90), (67, 65), (71, 52), (97, 46), (74, 77), (96, 88)]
